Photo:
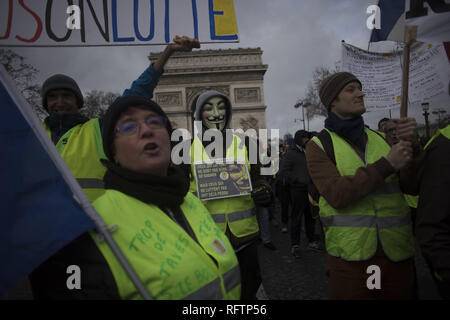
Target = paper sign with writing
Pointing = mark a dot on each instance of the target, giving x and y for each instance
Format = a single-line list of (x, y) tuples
[(381, 74), (114, 22), (222, 180)]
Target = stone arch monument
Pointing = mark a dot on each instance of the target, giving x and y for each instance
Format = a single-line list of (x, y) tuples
[(237, 73)]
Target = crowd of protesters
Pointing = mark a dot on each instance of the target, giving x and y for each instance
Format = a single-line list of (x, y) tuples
[(363, 197)]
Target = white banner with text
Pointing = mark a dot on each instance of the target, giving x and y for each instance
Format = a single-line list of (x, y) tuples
[(114, 22)]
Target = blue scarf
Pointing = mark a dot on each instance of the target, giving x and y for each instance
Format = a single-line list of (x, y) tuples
[(352, 129)]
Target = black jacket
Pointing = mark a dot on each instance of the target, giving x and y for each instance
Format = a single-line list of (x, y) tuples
[(294, 170), (433, 212)]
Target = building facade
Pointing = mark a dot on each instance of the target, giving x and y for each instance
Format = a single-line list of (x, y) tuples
[(237, 73)]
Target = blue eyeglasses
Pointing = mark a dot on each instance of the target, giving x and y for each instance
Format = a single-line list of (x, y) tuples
[(131, 127)]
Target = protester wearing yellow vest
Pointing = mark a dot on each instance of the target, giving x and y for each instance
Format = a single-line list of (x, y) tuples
[(81, 147), (365, 218), (164, 231), (235, 216), (433, 212)]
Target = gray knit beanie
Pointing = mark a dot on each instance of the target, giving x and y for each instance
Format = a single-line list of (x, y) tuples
[(61, 81), (332, 86)]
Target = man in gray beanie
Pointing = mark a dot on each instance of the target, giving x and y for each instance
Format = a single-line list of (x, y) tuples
[(62, 99), (360, 179)]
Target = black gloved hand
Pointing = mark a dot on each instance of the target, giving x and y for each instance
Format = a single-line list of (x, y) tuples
[(262, 196)]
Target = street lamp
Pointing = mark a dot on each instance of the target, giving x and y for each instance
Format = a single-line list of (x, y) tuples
[(296, 106), (425, 108), (303, 104), (306, 104), (439, 112)]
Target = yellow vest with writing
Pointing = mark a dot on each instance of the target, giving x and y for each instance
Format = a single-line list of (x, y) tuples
[(236, 212), (82, 148), (353, 232), (170, 264)]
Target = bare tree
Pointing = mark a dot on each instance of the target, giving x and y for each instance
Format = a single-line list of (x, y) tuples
[(249, 122), (24, 75), (311, 100), (96, 102)]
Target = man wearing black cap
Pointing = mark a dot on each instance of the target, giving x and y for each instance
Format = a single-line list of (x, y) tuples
[(360, 178), (296, 175)]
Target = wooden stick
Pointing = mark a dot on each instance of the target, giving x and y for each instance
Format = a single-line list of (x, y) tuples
[(410, 37)]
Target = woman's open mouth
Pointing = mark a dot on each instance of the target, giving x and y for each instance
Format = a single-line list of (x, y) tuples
[(151, 147)]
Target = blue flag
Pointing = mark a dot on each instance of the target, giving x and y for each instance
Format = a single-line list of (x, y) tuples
[(38, 212), (430, 17), (391, 12)]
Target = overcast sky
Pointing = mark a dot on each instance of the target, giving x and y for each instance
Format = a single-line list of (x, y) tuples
[(296, 36)]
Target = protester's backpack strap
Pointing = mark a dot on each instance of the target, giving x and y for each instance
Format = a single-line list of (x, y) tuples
[(325, 138)]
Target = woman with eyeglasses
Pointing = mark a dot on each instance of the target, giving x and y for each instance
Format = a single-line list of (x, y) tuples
[(165, 232)]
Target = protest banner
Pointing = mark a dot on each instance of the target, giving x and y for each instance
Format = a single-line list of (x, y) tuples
[(381, 74), (47, 23)]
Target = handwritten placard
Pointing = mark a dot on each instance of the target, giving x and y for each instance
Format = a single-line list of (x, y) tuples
[(381, 74)]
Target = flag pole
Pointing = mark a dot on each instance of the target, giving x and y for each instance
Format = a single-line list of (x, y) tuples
[(78, 193), (410, 37)]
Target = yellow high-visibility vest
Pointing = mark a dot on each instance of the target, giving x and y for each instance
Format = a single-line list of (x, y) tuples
[(82, 148), (170, 264), (236, 212), (353, 232)]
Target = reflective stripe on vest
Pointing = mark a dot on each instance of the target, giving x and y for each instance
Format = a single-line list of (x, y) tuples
[(233, 216), (170, 263), (353, 232), (212, 290), (236, 212), (367, 221), (232, 279), (240, 215), (82, 148), (88, 183)]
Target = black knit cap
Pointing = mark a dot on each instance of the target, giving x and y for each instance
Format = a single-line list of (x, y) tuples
[(119, 106), (332, 86), (299, 135), (61, 81)]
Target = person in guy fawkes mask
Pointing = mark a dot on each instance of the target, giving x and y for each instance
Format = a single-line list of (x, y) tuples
[(235, 215)]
